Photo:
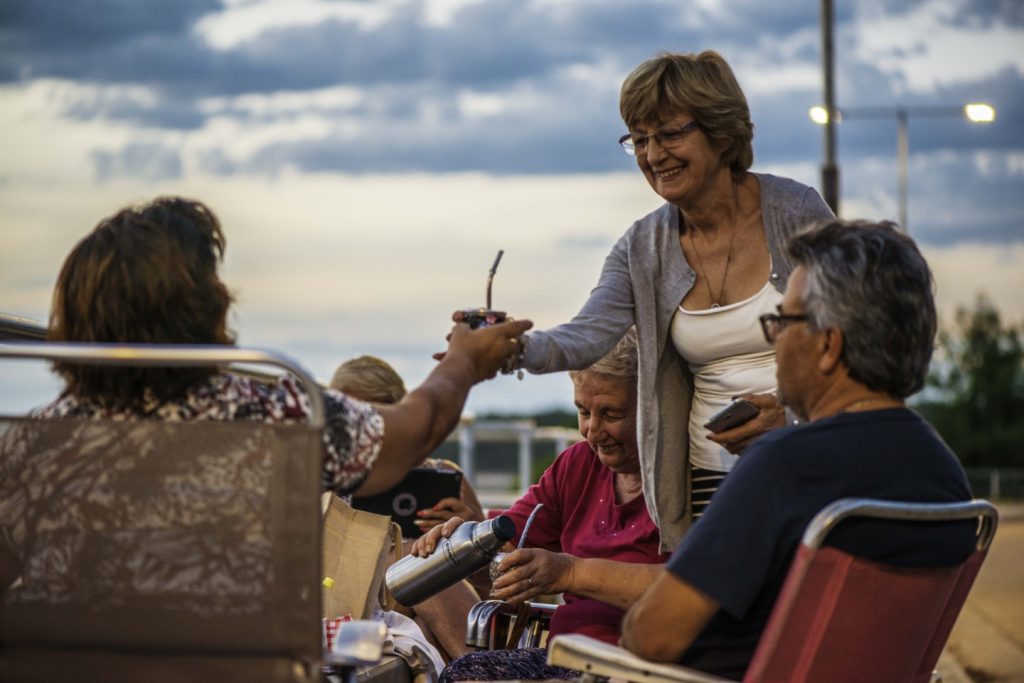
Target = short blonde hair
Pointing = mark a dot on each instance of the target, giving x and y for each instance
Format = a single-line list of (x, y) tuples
[(702, 85), (369, 378)]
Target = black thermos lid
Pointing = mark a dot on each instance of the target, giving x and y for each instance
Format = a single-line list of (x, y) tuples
[(503, 527)]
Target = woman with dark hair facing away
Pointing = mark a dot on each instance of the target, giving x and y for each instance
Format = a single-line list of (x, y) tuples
[(149, 275), (693, 276)]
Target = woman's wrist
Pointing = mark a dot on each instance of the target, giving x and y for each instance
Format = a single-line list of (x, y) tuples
[(515, 362)]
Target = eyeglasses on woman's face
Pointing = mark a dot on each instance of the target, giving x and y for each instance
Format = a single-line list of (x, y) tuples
[(773, 323), (667, 138)]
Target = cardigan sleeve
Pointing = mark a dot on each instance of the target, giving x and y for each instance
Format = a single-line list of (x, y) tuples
[(600, 323)]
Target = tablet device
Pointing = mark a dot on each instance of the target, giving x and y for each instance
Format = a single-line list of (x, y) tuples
[(422, 488)]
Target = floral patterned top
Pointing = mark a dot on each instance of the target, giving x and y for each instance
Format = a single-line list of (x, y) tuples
[(352, 438)]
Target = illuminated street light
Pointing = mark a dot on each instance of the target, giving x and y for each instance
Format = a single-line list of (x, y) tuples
[(979, 112), (819, 114), (975, 112)]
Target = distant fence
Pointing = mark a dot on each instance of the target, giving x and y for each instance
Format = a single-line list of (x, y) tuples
[(499, 459), (486, 451), (997, 483)]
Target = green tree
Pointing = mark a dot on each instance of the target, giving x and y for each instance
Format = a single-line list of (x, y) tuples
[(977, 388)]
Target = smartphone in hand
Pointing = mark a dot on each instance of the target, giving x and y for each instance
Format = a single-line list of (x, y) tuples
[(733, 415)]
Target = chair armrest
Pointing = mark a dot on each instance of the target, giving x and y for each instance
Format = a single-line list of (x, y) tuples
[(489, 623), (598, 658)]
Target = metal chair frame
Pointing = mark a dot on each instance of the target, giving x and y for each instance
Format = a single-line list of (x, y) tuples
[(491, 623), (598, 660)]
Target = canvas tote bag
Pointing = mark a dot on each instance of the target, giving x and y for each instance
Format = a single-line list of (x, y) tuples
[(357, 548)]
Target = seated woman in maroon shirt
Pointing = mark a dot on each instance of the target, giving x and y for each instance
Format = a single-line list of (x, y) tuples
[(593, 539)]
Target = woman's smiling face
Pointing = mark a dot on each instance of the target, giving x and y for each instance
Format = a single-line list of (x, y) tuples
[(606, 409), (681, 171)]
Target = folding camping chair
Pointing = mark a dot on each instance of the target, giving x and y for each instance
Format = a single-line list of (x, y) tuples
[(826, 624), (162, 551)]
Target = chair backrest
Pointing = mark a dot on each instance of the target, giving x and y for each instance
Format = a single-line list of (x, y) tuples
[(844, 618), (151, 550)]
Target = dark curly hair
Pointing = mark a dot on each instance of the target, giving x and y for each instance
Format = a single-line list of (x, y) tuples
[(146, 275)]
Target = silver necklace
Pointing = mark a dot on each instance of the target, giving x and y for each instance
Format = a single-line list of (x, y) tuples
[(715, 300)]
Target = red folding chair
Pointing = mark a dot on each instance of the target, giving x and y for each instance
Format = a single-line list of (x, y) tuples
[(826, 625)]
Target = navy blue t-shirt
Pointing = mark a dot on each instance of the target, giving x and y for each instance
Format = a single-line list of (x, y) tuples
[(739, 552)]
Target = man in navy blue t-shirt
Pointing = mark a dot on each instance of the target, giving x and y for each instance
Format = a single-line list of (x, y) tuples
[(853, 338)]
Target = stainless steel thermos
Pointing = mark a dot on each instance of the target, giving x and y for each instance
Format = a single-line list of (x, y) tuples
[(414, 579)]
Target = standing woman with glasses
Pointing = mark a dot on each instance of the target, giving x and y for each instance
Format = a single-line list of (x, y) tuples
[(693, 276)]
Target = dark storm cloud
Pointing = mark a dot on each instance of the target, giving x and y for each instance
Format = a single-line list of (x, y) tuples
[(952, 198), (981, 14), (89, 24), (411, 74), (501, 41), (142, 160), (935, 120), (163, 112), (988, 13), (489, 46), (395, 138), (783, 133), (551, 152), (98, 40)]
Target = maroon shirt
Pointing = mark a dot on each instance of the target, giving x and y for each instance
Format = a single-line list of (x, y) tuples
[(580, 517)]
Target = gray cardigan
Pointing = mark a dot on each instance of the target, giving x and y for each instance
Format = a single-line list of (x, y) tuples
[(644, 279)]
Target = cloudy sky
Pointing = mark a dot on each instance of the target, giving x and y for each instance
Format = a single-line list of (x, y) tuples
[(369, 158)]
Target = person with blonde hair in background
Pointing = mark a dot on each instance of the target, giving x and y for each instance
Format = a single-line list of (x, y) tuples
[(369, 378)]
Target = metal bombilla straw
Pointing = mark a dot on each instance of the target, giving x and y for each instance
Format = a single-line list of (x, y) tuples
[(490, 276), (529, 521)]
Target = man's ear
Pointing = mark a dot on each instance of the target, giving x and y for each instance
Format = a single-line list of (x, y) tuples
[(832, 341)]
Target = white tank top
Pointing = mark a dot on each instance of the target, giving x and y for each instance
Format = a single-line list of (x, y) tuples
[(728, 355)]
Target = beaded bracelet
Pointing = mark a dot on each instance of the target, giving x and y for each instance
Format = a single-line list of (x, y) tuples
[(514, 363)]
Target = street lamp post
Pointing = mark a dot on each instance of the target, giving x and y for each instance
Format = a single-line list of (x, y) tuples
[(829, 167), (975, 112)]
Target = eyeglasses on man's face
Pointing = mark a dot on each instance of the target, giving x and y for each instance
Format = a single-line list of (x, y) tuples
[(636, 143), (773, 323)]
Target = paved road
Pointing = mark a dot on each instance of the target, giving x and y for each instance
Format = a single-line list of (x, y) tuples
[(988, 639)]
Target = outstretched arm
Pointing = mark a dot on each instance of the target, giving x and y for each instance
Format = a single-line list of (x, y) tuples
[(417, 424)]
